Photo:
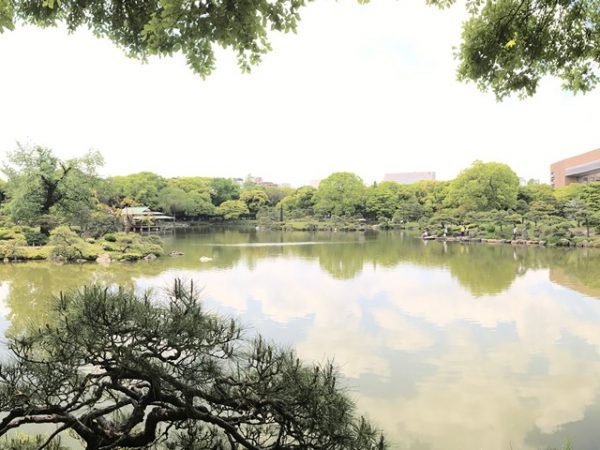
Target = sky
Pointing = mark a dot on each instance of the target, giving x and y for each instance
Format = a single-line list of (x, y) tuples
[(369, 89)]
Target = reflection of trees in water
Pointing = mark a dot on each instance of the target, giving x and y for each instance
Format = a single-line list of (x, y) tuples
[(579, 270), (481, 269), (33, 286)]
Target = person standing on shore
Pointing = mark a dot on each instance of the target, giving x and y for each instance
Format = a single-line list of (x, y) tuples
[(515, 233)]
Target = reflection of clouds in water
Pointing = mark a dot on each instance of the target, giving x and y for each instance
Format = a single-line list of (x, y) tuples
[(4, 312), (4, 290), (500, 368)]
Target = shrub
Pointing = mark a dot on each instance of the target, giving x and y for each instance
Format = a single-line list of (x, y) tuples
[(34, 236), (110, 237), (132, 246), (68, 246), (12, 249)]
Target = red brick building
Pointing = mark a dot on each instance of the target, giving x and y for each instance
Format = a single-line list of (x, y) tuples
[(583, 168)]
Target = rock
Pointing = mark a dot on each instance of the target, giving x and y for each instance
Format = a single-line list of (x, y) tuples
[(205, 259), (103, 259), (150, 257), (80, 261), (174, 253), (6, 260)]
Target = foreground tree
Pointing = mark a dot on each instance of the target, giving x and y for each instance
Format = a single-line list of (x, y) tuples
[(508, 46), (165, 27), (128, 372)]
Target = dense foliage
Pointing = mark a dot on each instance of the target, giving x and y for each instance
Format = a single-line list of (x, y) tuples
[(124, 371), (43, 192), (507, 45), (166, 27)]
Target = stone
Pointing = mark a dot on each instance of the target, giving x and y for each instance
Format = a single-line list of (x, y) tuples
[(103, 259), (150, 257)]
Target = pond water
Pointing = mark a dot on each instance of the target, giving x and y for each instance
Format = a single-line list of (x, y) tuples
[(443, 346)]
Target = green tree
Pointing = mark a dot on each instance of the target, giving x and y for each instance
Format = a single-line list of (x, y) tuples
[(139, 189), (484, 187), (340, 194), (255, 199), (232, 209), (509, 45), (125, 371), (223, 189), (191, 184), (381, 200), (200, 205), (539, 210), (301, 201), (175, 201), (187, 196), (590, 194), (277, 193), (501, 218), (44, 190), (431, 195), (577, 210), (166, 27)]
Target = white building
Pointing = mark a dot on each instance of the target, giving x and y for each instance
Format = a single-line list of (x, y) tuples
[(409, 177)]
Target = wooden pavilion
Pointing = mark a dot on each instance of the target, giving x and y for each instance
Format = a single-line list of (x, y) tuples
[(142, 218)]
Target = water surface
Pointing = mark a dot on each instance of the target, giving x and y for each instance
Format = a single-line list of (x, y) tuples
[(444, 346)]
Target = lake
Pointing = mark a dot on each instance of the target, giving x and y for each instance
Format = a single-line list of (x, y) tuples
[(443, 346)]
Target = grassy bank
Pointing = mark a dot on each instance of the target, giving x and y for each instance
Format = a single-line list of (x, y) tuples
[(65, 245)]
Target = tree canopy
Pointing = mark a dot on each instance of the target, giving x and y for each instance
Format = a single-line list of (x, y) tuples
[(507, 46), (123, 371), (340, 194), (165, 27), (484, 187)]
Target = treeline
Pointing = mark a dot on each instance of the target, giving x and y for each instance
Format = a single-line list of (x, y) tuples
[(43, 192)]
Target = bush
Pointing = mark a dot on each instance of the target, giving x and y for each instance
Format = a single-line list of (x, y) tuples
[(110, 237), (556, 231), (12, 249), (68, 246), (132, 246), (34, 236)]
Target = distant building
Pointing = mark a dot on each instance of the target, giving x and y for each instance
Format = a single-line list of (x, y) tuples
[(142, 218), (409, 177), (583, 168)]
